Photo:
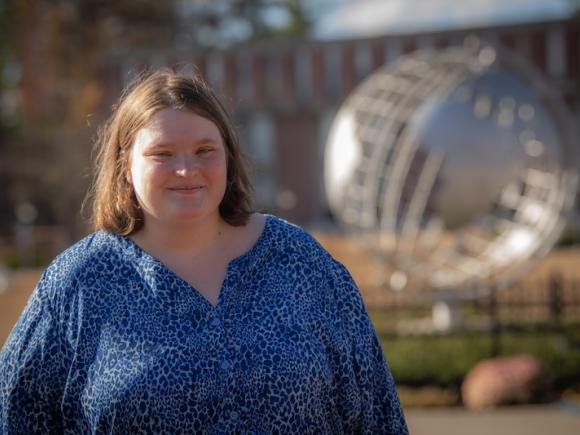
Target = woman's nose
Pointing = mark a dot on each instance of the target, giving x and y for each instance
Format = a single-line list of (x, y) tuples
[(185, 165)]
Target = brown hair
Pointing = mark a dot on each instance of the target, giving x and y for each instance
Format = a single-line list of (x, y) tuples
[(114, 204)]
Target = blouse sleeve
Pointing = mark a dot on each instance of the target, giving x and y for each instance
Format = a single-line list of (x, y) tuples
[(380, 409), (32, 370)]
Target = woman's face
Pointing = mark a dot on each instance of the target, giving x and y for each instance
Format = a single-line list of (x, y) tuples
[(178, 168)]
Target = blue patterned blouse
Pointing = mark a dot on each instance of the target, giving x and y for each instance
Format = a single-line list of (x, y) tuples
[(112, 341)]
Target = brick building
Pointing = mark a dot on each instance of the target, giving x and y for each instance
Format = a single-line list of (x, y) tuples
[(284, 94)]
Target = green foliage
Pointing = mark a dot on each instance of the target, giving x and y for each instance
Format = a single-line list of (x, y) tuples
[(15, 260), (575, 4), (570, 236), (61, 56), (558, 351), (440, 361), (444, 360), (220, 25), (299, 22), (46, 152), (6, 40)]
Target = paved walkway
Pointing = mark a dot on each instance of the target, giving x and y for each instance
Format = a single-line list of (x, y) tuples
[(558, 419)]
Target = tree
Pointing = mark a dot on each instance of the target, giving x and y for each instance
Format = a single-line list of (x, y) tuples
[(60, 51), (7, 73), (225, 23), (60, 48)]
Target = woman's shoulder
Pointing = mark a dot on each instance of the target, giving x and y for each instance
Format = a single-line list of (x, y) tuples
[(92, 253), (296, 246), (290, 242), (287, 234), (99, 245)]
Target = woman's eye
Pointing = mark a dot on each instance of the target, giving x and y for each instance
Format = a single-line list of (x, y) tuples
[(204, 150), (161, 154)]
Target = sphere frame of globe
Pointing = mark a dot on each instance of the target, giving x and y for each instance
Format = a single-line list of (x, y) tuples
[(458, 167)]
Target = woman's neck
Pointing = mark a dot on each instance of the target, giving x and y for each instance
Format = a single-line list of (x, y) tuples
[(191, 237)]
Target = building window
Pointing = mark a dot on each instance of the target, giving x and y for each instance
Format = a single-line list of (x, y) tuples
[(261, 148)]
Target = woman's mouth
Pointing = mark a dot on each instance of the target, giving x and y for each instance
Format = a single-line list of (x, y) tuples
[(186, 189)]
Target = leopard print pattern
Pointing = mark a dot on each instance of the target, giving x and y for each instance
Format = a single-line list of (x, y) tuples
[(112, 341)]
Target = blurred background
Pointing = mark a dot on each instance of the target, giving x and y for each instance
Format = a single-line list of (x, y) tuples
[(283, 68)]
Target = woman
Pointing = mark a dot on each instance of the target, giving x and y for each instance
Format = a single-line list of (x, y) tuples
[(185, 312)]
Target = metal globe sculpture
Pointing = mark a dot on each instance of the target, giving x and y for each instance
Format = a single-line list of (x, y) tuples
[(457, 166)]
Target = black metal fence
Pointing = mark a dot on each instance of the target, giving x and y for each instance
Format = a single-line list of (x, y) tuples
[(554, 300)]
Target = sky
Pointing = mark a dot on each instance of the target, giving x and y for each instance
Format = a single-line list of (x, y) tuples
[(368, 18)]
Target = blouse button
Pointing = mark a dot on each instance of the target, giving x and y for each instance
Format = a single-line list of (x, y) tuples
[(237, 347), (234, 415), (225, 364), (215, 322)]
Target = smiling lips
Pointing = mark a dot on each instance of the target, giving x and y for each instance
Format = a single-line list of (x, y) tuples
[(186, 189)]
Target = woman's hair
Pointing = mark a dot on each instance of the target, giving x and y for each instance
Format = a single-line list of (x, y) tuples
[(114, 204)]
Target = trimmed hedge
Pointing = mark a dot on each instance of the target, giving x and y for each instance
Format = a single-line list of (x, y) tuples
[(444, 360)]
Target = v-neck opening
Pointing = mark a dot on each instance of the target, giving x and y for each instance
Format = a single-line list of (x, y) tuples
[(232, 264)]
